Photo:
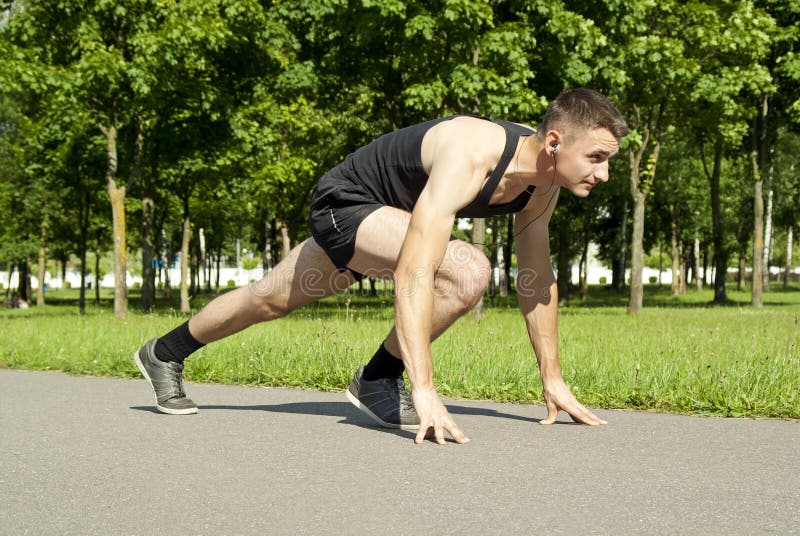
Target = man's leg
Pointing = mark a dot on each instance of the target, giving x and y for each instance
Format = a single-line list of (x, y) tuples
[(305, 275), (460, 282)]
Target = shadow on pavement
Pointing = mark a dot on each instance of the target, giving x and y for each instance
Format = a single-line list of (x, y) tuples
[(349, 413)]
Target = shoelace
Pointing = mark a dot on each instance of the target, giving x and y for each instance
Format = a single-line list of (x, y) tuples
[(176, 385), (405, 398)]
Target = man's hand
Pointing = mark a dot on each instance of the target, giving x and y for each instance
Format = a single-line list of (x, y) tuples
[(433, 414), (557, 396)]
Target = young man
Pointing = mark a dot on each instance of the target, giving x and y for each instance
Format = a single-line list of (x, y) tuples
[(388, 211)]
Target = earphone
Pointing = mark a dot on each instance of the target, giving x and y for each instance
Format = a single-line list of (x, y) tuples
[(553, 149)]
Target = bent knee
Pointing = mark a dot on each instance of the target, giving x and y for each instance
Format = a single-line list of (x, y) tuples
[(465, 276)]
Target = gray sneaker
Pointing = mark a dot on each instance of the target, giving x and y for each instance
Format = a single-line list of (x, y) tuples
[(166, 380), (385, 401)]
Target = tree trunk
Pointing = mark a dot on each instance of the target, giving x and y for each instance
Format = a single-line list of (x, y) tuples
[(117, 197), (742, 278), (618, 276), (83, 246), (788, 270), (637, 253), (219, 260), (285, 240), (194, 280), (493, 258), (97, 273), (478, 237), (205, 264), (674, 232), (757, 155), (508, 248), (267, 244), (720, 254), (563, 268), (501, 269), (698, 282), (186, 238), (82, 296), (684, 269), (639, 195), (22, 284), (758, 244), (42, 268), (767, 240), (11, 268), (583, 269), (148, 253), (167, 261)]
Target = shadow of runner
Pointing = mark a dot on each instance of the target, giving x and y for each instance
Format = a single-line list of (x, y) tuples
[(348, 411), (350, 414)]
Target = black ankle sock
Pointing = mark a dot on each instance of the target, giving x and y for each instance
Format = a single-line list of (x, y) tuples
[(177, 345), (383, 365)]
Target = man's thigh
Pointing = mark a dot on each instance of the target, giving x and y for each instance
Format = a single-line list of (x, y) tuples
[(378, 241), (380, 237)]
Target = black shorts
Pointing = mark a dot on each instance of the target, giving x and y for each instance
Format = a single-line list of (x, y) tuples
[(338, 206)]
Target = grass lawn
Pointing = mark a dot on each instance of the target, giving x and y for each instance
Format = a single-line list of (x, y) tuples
[(680, 355)]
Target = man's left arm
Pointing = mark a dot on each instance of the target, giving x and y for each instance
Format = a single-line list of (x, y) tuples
[(538, 300)]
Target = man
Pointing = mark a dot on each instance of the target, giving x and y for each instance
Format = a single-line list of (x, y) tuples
[(388, 210)]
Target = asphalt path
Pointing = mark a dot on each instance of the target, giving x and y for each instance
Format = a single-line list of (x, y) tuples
[(82, 455)]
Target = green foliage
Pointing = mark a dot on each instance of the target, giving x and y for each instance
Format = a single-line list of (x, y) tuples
[(242, 105)]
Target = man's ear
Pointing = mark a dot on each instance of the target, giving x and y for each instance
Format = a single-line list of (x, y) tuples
[(552, 142)]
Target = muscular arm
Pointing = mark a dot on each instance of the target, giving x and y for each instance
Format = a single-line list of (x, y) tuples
[(459, 165), (422, 252), (536, 284), (538, 300)]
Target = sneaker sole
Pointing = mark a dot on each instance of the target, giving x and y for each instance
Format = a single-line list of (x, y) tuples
[(159, 407), (357, 403)]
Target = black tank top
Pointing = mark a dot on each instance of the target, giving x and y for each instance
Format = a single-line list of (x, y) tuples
[(390, 171)]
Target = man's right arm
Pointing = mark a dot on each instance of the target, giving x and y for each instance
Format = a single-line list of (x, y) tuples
[(456, 176)]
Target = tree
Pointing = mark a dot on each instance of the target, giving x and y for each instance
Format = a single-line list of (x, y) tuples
[(727, 42), (652, 72)]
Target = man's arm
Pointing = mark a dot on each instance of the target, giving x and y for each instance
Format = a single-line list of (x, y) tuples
[(457, 173), (538, 300)]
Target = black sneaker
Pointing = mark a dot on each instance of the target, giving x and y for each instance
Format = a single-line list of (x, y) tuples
[(386, 401), (166, 379)]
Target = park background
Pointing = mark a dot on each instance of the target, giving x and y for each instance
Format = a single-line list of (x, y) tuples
[(136, 136)]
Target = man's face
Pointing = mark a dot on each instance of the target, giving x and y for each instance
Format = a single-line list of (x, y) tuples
[(582, 160)]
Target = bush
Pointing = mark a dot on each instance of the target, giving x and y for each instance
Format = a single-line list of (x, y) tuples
[(250, 264), (231, 283), (603, 280), (653, 280)]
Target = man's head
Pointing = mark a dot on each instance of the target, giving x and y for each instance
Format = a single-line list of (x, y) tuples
[(580, 131)]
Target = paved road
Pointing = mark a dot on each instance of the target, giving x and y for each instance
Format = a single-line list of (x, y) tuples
[(90, 456)]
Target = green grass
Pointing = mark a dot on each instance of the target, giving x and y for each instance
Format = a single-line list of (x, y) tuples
[(680, 355)]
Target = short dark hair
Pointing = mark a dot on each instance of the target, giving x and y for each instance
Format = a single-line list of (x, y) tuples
[(584, 108)]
